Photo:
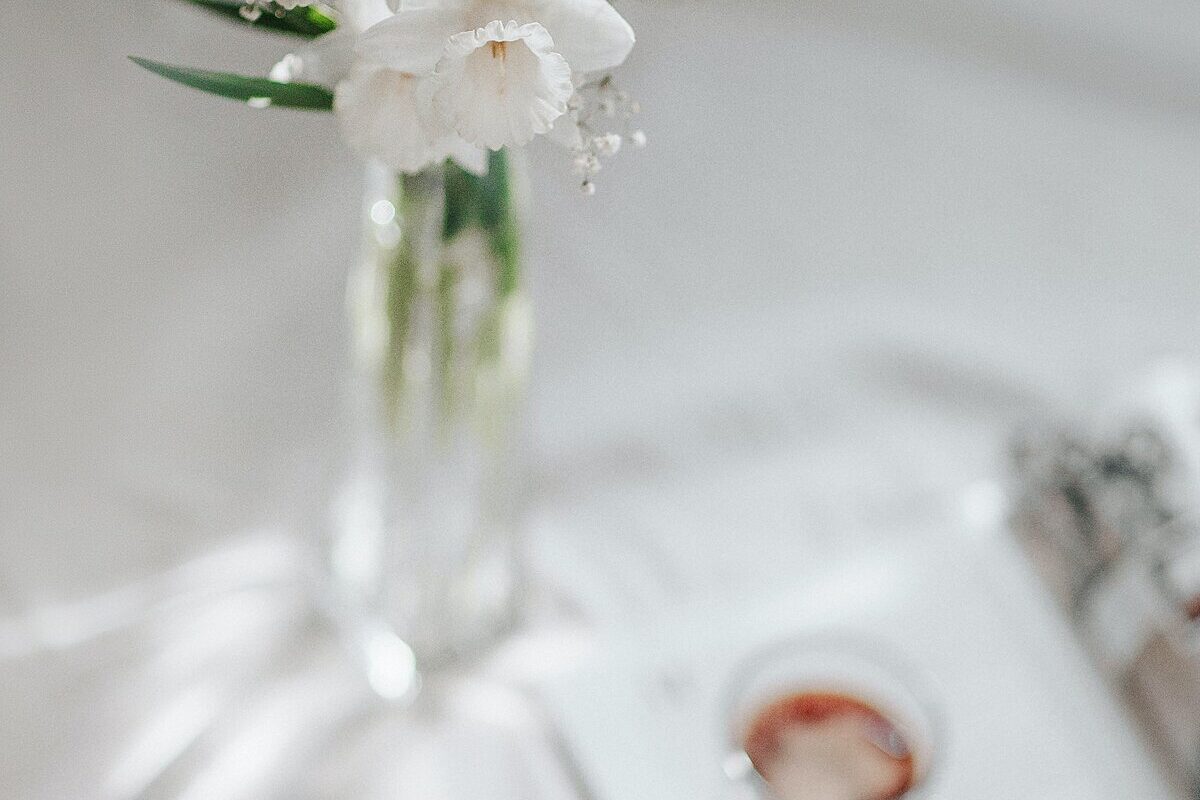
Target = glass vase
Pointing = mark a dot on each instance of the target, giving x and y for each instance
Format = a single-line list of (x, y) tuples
[(425, 554)]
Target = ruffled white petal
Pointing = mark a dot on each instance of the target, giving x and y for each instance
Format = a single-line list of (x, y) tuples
[(590, 34), (377, 109), (501, 84), (414, 38)]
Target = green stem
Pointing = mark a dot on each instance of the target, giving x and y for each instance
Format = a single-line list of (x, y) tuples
[(404, 286), (487, 203), (425, 281), (447, 350)]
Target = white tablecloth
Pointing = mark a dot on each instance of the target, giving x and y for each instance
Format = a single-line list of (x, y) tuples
[(866, 240)]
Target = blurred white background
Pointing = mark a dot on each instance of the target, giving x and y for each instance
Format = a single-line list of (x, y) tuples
[(866, 240)]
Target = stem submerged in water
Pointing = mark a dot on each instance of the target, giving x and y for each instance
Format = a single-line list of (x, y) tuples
[(486, 202), (443, 212)]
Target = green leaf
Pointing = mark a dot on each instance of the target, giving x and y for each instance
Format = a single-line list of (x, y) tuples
[(239, 87), (301, 21)]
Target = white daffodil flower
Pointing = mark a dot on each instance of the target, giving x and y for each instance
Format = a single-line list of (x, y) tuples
[(329, 58), (381, 111), (501, 84), (499, 70), (359, 15)]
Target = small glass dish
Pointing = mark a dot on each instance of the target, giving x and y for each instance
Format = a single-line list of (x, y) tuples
[(830, 717)]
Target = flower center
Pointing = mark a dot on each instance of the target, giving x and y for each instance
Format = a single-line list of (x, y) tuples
[(500, 50)]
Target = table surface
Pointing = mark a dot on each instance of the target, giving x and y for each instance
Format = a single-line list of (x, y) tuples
[(866, 241)]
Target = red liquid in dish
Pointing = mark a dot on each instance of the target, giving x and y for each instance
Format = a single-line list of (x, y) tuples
[(1192, 608), (825, 746)]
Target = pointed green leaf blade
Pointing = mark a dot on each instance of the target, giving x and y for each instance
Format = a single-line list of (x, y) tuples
[(239, 87)]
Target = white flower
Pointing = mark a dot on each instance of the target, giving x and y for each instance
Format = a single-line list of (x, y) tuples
[(500, 69), (358, 15), (501, 85), (444, 78), (379, 111), (329, 58)]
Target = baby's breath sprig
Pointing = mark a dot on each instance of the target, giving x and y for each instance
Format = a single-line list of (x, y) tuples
[(596, 108), (308, 19)]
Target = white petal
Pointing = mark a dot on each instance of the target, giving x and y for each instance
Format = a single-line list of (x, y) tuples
[(478, 13), (358, 15), (502, 84), (378, 112), (590, 34), (471, 158), (325, 60), (400, 5), (413, 39)]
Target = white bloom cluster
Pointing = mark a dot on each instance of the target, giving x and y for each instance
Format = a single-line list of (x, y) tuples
[(596, 106), (417, 81)]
